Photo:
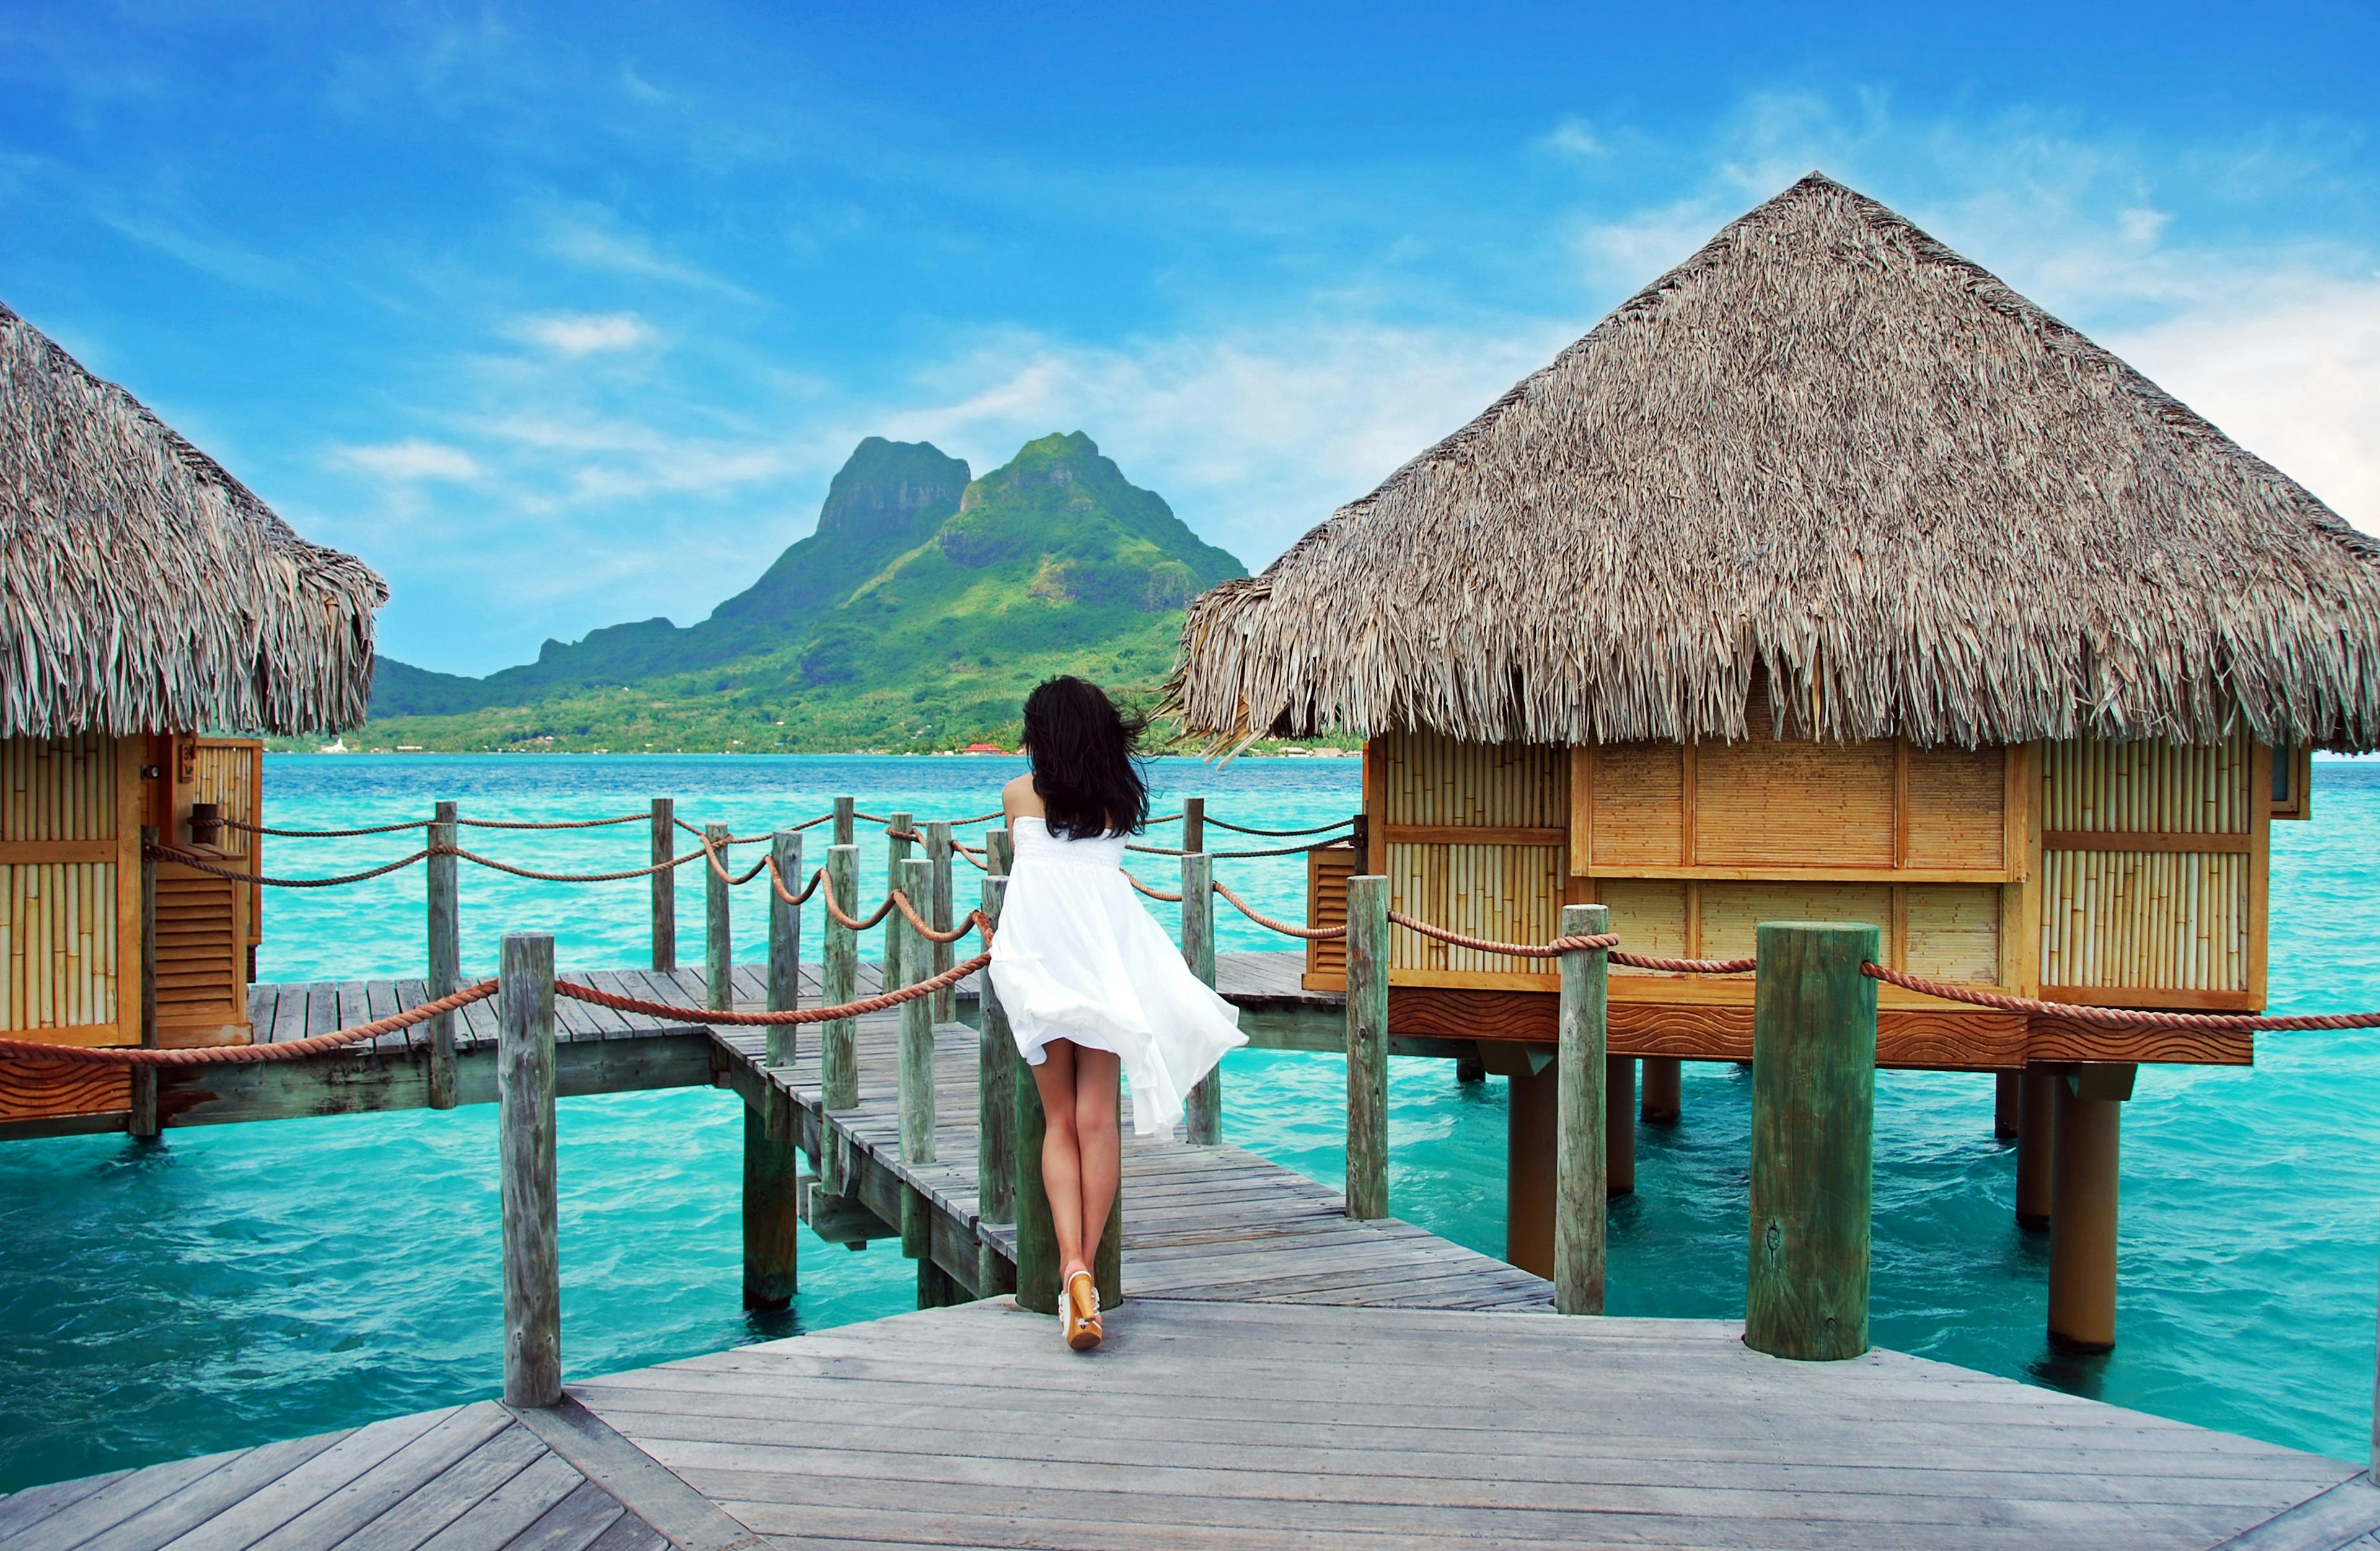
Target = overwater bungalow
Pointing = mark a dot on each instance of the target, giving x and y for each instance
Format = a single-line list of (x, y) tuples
[(154, 616), (1826, 578)]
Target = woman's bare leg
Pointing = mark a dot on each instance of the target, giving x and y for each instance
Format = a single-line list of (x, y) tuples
[(1097, 1146), (1061, 1160)]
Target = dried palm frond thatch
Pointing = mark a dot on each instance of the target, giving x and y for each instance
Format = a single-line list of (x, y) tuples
[(1829, 456), (142, 588)]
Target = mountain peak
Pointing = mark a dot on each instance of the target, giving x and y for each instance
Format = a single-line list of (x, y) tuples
[(897, 480)]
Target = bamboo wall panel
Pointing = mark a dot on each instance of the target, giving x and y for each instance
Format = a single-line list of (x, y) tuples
[(2152, 787), (1760, 803), (1731, 911), (1637, 814), (230, 773), (1429, 778), (57, 789), (2146, 917), (58, 940), (202, 950), (1950, 931), (1327, 872), (1511, 892), (1650, 916), (1956, 813), (2156, 920)]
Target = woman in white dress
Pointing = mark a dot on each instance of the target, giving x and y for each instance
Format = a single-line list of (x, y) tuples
[(1090, 983)]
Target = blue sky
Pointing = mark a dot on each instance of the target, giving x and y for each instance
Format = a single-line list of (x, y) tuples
[(564, 316)]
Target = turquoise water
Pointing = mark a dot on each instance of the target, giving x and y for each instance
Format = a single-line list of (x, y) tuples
[(241, 1283)]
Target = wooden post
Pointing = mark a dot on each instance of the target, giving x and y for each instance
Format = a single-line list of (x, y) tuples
[(1813, 1130), (2083, 1209), (1193, 825), (914, 878), (773, 1169), (997, 1070), (1036, 1234), (445, 954), (141, 1081), (1000, 851), (785, 944), (1107, 1266), (2006, 1106), (896, 851), (1532, 1141), (1582, 1115), (718, 939), (846, 809), (838, 1038), (665, 883), (1367, 1045), (937, 858), (1204, 1116), (1620, 1133), (525, 1134), (1664, 1092), (2036, 1146)]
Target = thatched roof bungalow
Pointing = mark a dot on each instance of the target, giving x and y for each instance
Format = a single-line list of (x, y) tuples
[(1826, 516), (1827, 578), (150, 604)]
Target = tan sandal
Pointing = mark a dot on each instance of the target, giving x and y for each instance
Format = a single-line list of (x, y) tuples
[(1081, 1316)]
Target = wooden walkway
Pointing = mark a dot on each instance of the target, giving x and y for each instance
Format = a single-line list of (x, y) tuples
[(1241, 1427), (1280, 1375)]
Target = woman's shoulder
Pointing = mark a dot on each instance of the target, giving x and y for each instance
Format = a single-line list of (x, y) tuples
[(1018, 798)]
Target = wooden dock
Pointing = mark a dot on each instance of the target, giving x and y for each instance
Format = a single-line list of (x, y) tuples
[(1280, 1375)]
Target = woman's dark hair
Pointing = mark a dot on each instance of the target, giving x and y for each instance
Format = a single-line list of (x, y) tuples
[(1086, 760)]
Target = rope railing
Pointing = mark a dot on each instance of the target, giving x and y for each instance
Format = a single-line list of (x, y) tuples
[(1215, 823), (1152, 894), (249, 829), (1311, 934), (777, 882), (246, 1055), (865, 1005), (834, 908), (1553, 950), (2124, 1017), (200, 864)]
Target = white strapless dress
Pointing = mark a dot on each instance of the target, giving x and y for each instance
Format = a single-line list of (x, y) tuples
[(1077, 958)]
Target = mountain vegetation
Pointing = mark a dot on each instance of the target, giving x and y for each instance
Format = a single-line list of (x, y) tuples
[(915, 615)]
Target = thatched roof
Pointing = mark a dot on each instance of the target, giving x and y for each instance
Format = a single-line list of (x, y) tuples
[(144, 589), (1827, 456)]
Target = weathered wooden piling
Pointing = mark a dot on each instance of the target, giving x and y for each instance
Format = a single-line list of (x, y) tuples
[(446, 965), (141, 1081), (896, 851), (1619, 1133), (913, 876), (773, 1171), (665, 883), (1203, 1119), (1813, 1129), (785, 942), (1193, 824), (944, 954), (525, 1140), (846, 811), (1664, 1090), (2008, 1106), (2036, 1146), (999, 850), (718, 938), (2083, 1214), (1036, 1232), (1584, 1113), (1367, 1045), (839, 983), (997, 1073)]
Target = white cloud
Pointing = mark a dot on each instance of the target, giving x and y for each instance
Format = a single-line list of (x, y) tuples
[(1573, 137), (408, 460), (2295, 380), (591, 238), (584, 333)]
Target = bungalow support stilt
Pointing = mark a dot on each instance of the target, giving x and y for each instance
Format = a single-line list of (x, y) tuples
[(2082, 1210), (1619, 1135), (1663, 1098), (2036, 1146)]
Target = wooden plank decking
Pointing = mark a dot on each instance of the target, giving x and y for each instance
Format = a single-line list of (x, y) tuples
[(1241, 1426)]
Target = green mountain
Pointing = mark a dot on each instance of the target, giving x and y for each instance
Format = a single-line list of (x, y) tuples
[(915, 616)]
